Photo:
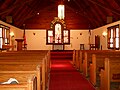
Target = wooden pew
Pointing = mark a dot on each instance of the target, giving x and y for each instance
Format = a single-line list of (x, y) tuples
[(86, 62), (97, 64), (42, 69), (22, 68), (88, 58), (42, 63), (110, 74), (28, 53), (26, 56), (74, 56), (26, 81), (30, 59), (81, 58), (77, 59)]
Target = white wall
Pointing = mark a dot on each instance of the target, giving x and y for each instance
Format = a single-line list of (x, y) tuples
[(99, 31), (37, 41), (76, 39)]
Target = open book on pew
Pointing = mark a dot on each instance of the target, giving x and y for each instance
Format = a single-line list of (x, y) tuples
[(10, 81)]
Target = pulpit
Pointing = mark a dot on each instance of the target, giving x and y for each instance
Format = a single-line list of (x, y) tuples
[(19, 44)]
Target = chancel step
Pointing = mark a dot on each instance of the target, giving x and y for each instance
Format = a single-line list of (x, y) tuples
[(61, 54)]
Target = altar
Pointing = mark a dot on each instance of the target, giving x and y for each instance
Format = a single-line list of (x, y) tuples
[(58, 47), (19, 44)]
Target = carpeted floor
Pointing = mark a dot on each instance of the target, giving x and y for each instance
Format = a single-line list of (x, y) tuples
[(63, 76)]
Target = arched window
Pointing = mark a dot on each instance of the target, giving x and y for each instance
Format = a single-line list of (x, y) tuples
[(58, 34)]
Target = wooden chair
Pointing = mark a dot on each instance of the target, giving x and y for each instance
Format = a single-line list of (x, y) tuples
[(96, 46)]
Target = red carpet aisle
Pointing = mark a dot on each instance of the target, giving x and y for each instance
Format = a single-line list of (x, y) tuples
[(64, 77)]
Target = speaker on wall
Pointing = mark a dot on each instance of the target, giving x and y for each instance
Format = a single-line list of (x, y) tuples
[(9, 19), (109, 19)]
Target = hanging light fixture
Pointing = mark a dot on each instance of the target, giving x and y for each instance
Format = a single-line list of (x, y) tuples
[(61, 11)]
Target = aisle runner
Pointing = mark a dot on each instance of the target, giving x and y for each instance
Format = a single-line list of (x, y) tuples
[(64, 77)]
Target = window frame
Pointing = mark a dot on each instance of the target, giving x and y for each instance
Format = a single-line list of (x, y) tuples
[(5, 35), (48, 36), (111, 41), (62, 34)]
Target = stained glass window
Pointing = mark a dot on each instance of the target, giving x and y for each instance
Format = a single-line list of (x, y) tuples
[(66, 36), (50, 36), (58, 34)]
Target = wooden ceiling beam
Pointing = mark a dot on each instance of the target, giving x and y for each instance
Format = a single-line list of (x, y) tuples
[(21, 17), (36, 5), (86, 8), (5, 4), (98, 16), (105, 7), (118, 2), (30, 8), (81, 8), (34, 14), (115, 6), (91, 21), (102, 13), (30, 15), (15, 5)]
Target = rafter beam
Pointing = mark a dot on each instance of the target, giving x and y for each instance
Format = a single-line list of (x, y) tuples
[(28, 13), (81, 8), (14, 6), (118, 2), (100, 16), (105, 7), (35, 13), (90, 20), (85, 13)]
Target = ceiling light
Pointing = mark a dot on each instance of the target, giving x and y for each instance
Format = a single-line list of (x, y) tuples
[(61, 11), (38, 13)]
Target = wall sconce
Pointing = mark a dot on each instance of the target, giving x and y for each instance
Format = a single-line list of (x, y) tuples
[(12, 34), (104, 34), (80, 33), (33, 33)]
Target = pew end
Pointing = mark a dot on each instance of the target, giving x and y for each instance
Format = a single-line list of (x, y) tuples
[(110, 79), (25, 82)]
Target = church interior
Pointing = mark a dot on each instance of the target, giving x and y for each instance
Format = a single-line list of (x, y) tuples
[(59, 45)]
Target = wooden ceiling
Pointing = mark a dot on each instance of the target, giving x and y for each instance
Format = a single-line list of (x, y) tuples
[(79, 14)]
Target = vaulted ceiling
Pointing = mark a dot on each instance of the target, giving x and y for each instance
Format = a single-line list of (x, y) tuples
[(79, 14)]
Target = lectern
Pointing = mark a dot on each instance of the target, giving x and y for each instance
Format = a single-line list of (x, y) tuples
[(19, 44)]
